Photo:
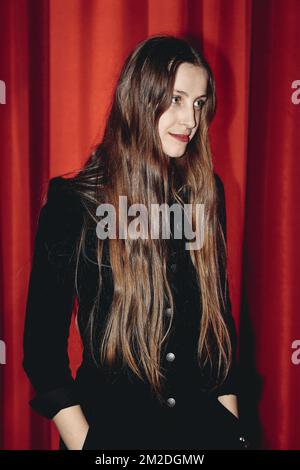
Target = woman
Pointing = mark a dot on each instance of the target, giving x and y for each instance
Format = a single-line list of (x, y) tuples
[(158, 368)]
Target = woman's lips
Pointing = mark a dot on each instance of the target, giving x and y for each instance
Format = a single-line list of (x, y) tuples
[(181, 137)]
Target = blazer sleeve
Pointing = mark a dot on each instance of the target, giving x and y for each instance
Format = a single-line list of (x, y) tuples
[(50, 301), (231, 383)]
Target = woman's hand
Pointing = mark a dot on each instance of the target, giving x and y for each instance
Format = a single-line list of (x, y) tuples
[(72, 427), (230, 402), (83, 442)]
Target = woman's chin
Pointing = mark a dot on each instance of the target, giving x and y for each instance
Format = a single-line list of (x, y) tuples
[(175, 154)]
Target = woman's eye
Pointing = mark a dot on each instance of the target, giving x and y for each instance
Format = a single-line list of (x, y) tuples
[(198, 106), (200, 103), (174, 98)]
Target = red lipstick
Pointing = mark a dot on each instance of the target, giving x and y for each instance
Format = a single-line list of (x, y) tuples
[(181, 137)]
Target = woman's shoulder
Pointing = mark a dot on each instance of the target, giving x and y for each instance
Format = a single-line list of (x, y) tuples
[(60, 188), (62, 212), (62, 195)]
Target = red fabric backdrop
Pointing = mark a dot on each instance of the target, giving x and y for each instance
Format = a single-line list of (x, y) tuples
[(59, 61)]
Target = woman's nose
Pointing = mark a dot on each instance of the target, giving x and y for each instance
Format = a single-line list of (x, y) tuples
[(188, 118)]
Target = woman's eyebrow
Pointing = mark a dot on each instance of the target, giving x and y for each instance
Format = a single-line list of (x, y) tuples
[(186, 94)]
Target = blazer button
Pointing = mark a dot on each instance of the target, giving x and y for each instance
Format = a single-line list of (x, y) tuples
[(168, 311), (170, 357), (171, 402)]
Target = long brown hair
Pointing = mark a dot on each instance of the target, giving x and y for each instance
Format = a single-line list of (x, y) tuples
[(130, 161)]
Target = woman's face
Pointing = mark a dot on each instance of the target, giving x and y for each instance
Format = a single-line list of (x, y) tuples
[(182, 117)]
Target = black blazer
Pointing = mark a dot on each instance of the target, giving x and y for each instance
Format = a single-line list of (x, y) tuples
[(121, 410)]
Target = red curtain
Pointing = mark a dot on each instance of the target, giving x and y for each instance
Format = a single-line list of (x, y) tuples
[(59, 62)]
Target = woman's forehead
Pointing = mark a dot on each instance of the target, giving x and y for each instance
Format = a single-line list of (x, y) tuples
[(191, 80)]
